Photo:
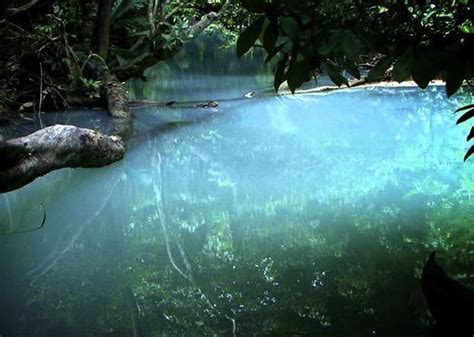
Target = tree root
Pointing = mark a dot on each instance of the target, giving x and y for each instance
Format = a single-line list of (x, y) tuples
[(54, 256), (188, 275)]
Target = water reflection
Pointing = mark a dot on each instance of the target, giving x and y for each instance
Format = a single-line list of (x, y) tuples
[(309, 215)]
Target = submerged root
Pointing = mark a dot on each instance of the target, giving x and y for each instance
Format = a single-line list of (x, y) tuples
[(52, 259), (161, 215), (58, 256), (158, 188)]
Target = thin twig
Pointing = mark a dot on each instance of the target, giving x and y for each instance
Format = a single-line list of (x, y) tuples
[(41, 96), (137, 44), (104, 64), (156, 4), (18, 27), (13, 11), (43, 222), (65, 102)]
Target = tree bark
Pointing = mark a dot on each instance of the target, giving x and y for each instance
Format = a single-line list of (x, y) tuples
[(116, 97), (102, 38), (24, 159)]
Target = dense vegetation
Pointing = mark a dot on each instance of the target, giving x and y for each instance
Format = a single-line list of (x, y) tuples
[(425, 39), (422, 40), (60, 53)]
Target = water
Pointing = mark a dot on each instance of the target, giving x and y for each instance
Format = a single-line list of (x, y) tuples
[(306, 215)]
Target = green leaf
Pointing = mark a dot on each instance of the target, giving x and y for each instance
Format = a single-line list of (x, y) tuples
[(121, 9), (275, 51), (466, 27), (331, 45), (425, 67), (248, 37), (350, 45), (403, 66), (290, 27), (469, 153), (334, 74), (298, 73), (469, 106), (270, 36), (468, 115), (121, 60), (380, 68), (254, 6), (470, 135), (351, 68), (455, 77), (280, 73)]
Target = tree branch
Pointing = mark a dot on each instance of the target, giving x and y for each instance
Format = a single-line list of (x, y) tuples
[(25, 7), (27, 158), (146, 60)]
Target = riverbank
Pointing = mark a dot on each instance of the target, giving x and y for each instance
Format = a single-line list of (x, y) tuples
[(362, 83)]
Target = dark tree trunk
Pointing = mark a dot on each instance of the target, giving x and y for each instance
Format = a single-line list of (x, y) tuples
[(102, 34)]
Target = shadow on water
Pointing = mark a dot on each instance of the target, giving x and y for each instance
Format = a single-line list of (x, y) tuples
[(310, 215)]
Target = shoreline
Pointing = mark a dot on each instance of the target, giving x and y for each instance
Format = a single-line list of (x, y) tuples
[(361, 84)]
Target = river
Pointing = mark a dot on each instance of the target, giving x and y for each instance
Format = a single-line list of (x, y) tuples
[(304, 215)]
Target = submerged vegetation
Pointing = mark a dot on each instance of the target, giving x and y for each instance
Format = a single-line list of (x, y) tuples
[(244, 225), (256, 215)]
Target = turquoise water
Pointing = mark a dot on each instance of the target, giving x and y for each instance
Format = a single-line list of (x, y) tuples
[(296, 215), (305, 215)]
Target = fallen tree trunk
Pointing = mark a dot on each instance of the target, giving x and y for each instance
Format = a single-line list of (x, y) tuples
[(24, 159)]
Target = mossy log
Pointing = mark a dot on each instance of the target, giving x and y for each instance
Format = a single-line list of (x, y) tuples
[(24, 159)]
